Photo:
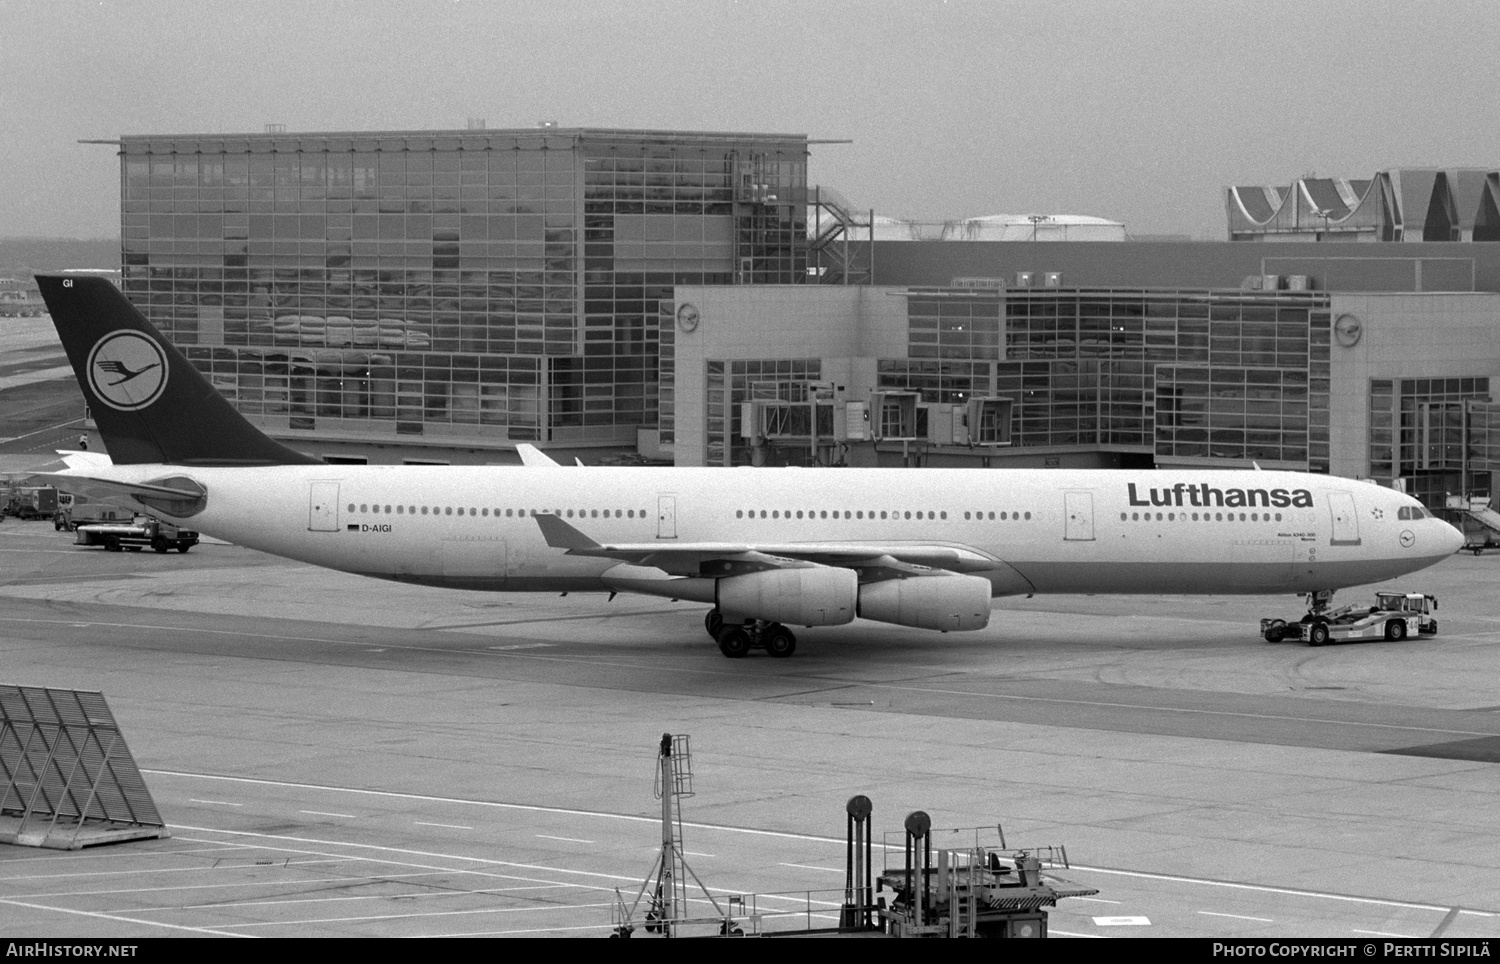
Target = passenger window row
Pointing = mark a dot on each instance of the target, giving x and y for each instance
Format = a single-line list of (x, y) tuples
[(897, 515), (367, 508), (1206, 517)]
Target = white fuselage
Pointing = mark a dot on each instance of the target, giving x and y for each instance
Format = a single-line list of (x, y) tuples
[(1048, 531)]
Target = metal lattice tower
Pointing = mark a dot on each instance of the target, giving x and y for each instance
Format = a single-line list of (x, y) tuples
[(668, 880)]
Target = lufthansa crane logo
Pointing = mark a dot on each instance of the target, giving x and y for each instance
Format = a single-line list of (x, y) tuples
[(127, 370)]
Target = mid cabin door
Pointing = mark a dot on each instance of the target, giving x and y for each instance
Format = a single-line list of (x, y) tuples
[(1078, 508), (323, 507), (666, 517)]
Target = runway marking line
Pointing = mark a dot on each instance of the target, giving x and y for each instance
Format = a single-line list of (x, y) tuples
[(446, 826), (120, 919), (484, 862), (322, 813), (1261, 888), (524, 807), (602, 928), (1262, 920), (803, 899), (159, 889), (548, 836), (374, 880), (366, 918)]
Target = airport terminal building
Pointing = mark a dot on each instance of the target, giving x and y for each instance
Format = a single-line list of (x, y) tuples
[(441, 296), (465, 288)]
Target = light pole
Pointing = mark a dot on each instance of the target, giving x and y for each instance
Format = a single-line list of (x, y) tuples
[(1322, 213)]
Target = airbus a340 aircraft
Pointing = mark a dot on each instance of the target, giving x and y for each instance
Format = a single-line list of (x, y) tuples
[(765, 548)]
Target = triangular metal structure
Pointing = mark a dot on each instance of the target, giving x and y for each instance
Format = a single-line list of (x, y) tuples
[(70, 781), (667, 884)]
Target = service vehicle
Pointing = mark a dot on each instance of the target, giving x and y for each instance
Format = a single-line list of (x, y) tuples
[(83, 512), (136, 535), (31, 502), (1395, 615)]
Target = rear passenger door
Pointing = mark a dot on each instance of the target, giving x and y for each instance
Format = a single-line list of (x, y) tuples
[(323, 507)]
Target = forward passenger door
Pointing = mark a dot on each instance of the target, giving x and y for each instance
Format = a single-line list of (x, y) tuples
[(1345, 519)]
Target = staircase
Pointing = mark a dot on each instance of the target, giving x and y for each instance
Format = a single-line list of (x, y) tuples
[(834, 224)]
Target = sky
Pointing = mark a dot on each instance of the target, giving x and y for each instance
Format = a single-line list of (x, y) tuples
[(1139, 112)]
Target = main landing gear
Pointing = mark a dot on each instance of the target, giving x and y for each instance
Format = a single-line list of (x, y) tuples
[(737, 639)]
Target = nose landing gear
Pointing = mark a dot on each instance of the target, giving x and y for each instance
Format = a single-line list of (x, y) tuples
[(737, 639)]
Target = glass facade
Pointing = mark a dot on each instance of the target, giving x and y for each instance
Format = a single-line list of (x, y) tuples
[(472, 285), (1430, 432), (1180, 374), (952, 327), (1482, 438), (730, 383)]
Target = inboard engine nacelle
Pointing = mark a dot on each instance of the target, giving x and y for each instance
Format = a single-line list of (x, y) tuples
[(814, 596), (946, 602)]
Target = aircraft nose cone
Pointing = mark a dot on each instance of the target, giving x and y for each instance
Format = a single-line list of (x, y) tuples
[(1452, 538)]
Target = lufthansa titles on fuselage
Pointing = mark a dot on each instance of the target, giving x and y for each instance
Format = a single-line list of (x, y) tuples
[(1204, 495)]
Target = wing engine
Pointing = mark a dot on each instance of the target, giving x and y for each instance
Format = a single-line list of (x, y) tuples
[(808, 584)]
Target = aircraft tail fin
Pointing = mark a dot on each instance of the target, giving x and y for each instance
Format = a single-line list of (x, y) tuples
[(535, 458), (150, 403)]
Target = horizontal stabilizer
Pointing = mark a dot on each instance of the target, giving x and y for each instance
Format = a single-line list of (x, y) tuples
[(560, 535), (85, 460), (175, 497)]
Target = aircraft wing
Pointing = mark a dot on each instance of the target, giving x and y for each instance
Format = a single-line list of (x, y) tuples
[(873, 562)]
